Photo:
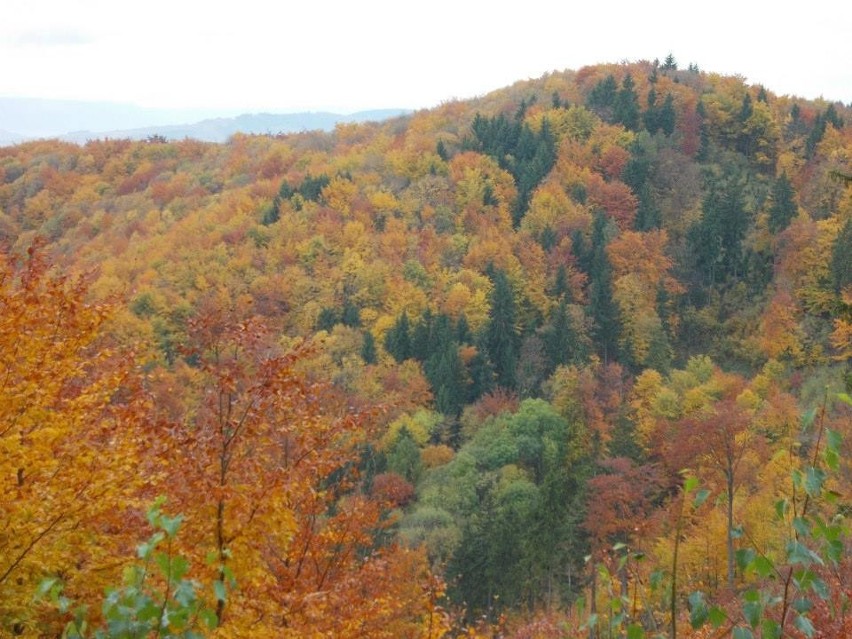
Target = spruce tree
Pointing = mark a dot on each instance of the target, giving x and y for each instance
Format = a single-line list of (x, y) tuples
[(368, 348), (625, 110), (501, 335), (602, 307), (651, 117), (666, 116), (398, 339), (783, 208), (716, 240), (561, 341)]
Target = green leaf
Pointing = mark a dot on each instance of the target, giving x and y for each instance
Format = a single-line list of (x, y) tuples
[(802, 526), (834, 551), (819, 587), (171, 525), (219, 590), (833, 439), (831, 458), (781, 508), (700, 497), (802, 605), (717, 616), (803, 579), (690, 484), (798, 553), (798, 478), (180, 566), (46, 586), (619, 546), (844, 397), (185, 593), (814, 479), (698, 612), (808, 418), (804, 625), (656, 579), (635, 631), (762, 566), (744, 557), (737, 531), (770, 629), (752, 611), (751, 596), (742, 633), (208, 618)]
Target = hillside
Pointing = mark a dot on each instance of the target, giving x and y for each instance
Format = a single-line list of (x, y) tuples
[(402, 377)]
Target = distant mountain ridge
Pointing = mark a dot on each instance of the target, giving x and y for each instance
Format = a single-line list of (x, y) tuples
[(23, 119), (220, 129)]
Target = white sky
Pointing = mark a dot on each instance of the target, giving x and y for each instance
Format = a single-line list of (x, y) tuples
[(347, 55)]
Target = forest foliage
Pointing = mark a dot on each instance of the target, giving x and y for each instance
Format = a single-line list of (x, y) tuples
[(569, 359)]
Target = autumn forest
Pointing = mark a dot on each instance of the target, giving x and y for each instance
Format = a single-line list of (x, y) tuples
[(571, 359)]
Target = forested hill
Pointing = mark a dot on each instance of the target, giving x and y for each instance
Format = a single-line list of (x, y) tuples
[(402, 378)]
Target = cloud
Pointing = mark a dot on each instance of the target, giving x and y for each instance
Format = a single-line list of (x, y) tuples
[(52, 38)]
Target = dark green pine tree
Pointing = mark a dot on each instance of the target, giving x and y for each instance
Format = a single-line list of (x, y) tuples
[(439, 339), (463, 333), (561, 341), (602, 308), (421, 337), (368, 348), (327, 319), (502, 341), (651, 117), (441, 150), (448, 380), (625, 110), (561, 288), (398, 339), (716, 239), (783, 208), (351, 315), (602, 97), (636, 175), (481, 373), (745, 140), (667, 115)]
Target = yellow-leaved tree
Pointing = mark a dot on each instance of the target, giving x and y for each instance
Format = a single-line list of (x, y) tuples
[(67, 464)]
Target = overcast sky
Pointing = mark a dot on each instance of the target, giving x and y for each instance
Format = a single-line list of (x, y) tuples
[(347, 55)]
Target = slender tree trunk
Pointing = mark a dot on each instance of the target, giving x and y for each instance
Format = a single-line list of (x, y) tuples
[(673, 602), (594, 606), (730, 479)]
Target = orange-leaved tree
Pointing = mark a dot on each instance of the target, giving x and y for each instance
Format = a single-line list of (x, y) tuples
[(265, 469), (67, 444)]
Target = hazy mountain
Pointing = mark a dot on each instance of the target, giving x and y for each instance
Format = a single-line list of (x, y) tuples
[(35, 118), (7, 137), (220, 129), (78, 121)]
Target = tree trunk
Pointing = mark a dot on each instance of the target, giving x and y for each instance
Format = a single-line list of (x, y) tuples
[(730, 479)]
